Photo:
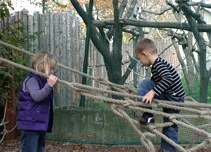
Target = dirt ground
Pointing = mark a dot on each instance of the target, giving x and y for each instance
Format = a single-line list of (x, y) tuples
[(14, 145)]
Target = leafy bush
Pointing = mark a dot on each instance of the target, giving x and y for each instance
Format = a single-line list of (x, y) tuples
[(12, 33)]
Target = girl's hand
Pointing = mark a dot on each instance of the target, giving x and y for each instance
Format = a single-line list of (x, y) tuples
[(52, 80)]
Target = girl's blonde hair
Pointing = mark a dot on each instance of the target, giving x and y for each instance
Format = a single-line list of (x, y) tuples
[(43, 62)]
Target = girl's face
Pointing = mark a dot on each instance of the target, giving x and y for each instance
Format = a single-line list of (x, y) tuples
[(50, 70), (51, 66)]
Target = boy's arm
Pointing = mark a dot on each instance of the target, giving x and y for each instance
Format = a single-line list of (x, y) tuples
[(38, 94), (160, 87)]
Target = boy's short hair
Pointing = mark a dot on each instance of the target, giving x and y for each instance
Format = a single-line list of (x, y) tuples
[(147, 45)]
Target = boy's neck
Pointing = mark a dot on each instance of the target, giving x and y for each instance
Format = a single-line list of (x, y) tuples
[(153, 58)]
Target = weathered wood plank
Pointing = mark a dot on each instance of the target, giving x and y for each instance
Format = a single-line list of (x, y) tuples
[(36, 31), (47, 31), (51, 32), (30, 31), (56, 52), (42, 29)]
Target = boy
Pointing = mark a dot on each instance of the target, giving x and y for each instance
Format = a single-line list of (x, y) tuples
[(165, 84)]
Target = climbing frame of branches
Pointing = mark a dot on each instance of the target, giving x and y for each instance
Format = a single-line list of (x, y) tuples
[(128, 101)]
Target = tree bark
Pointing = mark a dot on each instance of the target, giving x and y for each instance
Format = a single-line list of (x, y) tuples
[(117, 47)]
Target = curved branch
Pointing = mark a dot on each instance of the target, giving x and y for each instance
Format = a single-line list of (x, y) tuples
[(97, 42), (80, 10), (175, 8), (158, 13)]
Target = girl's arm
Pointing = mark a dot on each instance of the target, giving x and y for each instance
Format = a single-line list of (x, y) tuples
[(38, 94)]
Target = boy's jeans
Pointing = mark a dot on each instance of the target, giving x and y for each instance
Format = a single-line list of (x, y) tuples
[(172, 131), (33, 141)]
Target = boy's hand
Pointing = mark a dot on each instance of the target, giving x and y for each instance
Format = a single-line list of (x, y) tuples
[(52, 80), (148, 97)]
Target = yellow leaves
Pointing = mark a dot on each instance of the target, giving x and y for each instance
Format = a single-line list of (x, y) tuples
[(63, 5), (104, 8)]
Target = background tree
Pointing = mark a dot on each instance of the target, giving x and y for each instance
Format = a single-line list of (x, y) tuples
[(12, 31), (101, 35)]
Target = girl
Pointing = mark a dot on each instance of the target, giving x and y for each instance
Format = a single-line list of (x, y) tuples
[(35, 106)]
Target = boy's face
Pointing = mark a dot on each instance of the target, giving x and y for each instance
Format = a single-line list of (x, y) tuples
[(144, 58)]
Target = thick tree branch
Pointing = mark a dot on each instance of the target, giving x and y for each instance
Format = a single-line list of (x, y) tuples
[(193, 14), (121, 11), (100, 47), (128, 71), (138, 23)]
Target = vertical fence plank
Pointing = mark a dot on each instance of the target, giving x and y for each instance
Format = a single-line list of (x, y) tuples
[(47, 32), (42, 22), (36, 31), (30, 31), (56, 50), (63, 56), (68, 57), (26, 32), (51, 28)]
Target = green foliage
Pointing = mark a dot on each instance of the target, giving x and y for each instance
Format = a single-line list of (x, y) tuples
[(4, 10), (59, 4), (197, 90), (12, 33)]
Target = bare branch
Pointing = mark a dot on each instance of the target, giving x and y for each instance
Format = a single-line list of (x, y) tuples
[(199, 4), (122, 7), (157, 13), (131, 9), (134, 32), (188, 10), (175, 8)]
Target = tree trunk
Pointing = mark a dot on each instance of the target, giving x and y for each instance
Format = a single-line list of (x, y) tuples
[(116, 61), (184, 69), (11, 112), (86, 55)]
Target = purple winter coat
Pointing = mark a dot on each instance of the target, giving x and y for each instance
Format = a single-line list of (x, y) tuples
[(36, 116)]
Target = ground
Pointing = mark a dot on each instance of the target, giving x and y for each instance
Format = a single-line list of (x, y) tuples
[(51, 146)]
